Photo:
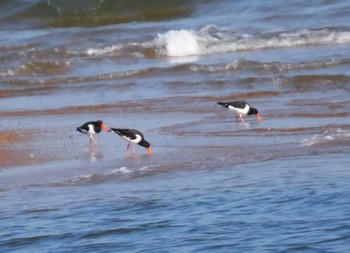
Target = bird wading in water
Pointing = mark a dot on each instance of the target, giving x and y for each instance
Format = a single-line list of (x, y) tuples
[(91, 129), (132, 136), (241, 109)]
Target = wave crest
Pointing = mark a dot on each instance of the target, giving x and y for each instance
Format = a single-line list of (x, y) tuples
[(211, 40)]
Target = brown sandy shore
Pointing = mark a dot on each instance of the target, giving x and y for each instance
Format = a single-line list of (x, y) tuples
[(12, 148), (30, 138), (37, 139), (16, 149)]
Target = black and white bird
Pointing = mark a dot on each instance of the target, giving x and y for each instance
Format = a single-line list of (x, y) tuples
[(91, 129), (132, 136), (241, 109)]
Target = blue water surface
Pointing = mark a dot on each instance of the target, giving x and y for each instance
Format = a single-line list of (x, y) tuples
[(284, 205)]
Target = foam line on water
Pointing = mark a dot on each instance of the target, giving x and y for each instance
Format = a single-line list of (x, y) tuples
[(215, 40), (211, 40), (328, 136)]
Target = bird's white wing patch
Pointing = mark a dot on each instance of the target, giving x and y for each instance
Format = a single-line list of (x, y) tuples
[(135, 141)]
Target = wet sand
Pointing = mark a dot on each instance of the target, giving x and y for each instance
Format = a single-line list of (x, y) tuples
[(46, 149), (13, 149)]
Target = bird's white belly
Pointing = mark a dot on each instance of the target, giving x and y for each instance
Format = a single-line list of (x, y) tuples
[(91, 130)]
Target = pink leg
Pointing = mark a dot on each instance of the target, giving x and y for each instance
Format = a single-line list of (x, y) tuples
[(92, 144), (133, 149), (241, 117), (93, 140)]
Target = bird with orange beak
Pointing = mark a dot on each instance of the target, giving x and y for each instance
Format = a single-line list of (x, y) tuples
[(91, 129), (241, 109), (133, 136)]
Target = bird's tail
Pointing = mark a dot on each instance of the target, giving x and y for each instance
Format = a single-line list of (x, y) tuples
[(116, 130), (222, 104)]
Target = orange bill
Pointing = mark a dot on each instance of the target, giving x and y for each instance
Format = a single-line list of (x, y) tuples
[(105, 128), (149, 151), (259, 117)]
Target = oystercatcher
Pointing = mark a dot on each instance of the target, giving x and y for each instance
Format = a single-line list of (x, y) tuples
[(92, 128), (241, 109), (132, 136)]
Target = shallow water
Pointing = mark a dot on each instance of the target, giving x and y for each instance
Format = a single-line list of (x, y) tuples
[(212, 183), (279, 205)]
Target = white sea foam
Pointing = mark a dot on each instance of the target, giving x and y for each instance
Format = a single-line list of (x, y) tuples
[(179, 43), (121, 170), (83, 178), (214, 40), (8, 72), (126, 170), (99, 177), (210, 40), (102, 51), (327, 136)]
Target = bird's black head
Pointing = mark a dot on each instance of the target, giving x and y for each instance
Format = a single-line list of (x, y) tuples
[(145, 144), (253, 111), (100, 123)]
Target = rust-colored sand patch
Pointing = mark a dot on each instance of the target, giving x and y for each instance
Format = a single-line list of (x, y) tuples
[(13, 156), (11, 152), (12, 137), (14, 149)]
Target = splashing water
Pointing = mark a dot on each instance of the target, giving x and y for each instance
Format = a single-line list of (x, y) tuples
[(179, 43)]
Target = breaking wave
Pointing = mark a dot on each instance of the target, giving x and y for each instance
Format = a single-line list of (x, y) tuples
[(334, 135), (214, 40), (211, 40)]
